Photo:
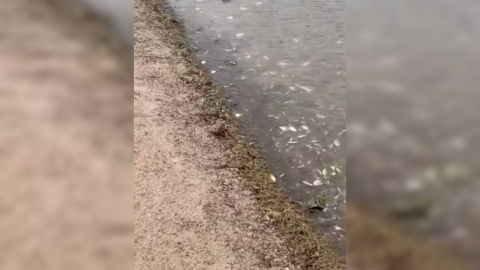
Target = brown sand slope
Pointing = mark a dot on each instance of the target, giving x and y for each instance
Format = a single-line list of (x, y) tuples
[(182, 220)]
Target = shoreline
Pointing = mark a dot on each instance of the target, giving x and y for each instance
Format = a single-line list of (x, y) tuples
[(305, 248), (385, 246)]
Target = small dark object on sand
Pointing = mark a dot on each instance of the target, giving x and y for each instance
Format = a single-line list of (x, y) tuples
[(226, 1), (220, 132)]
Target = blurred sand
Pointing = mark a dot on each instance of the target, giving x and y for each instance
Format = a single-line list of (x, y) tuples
[(182, 219), (65, 143)]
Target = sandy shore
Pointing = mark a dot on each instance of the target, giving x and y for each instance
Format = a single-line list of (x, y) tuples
[(192, 207), (182, 219), (66, 156)]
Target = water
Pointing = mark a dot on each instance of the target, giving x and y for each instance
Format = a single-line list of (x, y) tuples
[(282, 65)]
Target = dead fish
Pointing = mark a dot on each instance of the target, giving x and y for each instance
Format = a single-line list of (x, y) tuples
[(231, 62), (306, 89)]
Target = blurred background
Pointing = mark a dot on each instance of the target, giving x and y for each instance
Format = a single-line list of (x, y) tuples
[(118, 14), (413, 133), (66, 135)]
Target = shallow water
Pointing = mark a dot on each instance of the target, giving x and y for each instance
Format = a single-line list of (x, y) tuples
[(282, 64)]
